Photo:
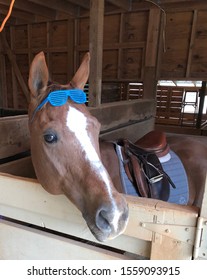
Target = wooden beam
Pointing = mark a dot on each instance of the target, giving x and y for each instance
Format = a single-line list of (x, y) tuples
[(174, 1), (201, 104), (62, 6), (82, 3), (152, 37), (15, 67), (14, 80), (96, 51), (123, 4), (150, 82), (26, 16), (184, 6), (30, 7), (19, 242), (192, 40), (15, 137), (174, 5), (3, 84)]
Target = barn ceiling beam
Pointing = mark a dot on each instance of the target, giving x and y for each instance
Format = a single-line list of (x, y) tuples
[(169, 5), (187, 6), (123, 4), (62, 6), (172, 1), (32, 8), (82, 3), (18, 14)]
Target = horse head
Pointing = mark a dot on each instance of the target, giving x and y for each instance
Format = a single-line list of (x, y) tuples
[(65, 151)]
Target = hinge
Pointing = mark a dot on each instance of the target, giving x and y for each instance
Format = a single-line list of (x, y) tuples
[(181, 233), (200, 246)]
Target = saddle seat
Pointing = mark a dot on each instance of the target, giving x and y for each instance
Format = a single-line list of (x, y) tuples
[(154, 141)]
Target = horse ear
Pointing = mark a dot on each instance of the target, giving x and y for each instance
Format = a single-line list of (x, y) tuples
[(38, 75), (81, 76)]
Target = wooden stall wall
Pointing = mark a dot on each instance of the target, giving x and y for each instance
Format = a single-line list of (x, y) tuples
[(184, 43), (124, 45), (64, 43), (125, 36), (139, 47), (130, 46), (19, 45), (182, 56)]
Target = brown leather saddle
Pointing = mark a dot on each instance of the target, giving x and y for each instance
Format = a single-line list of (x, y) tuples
[(143, 167)]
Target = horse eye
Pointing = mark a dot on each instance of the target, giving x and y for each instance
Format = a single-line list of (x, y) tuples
[(50, 138)]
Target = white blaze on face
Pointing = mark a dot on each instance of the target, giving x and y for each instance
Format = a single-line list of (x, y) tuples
[(77, 123)]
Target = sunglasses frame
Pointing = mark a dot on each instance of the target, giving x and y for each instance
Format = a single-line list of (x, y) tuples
[(56, 100)]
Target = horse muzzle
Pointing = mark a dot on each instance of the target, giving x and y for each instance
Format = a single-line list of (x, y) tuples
[(109, 222)]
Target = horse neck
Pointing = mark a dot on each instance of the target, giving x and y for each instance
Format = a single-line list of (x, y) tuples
[(110, 161)]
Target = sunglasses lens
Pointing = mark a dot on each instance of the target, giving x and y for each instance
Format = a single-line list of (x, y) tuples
[(78, 96), (57, 98)]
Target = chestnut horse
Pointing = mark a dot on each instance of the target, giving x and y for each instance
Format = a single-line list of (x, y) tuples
[(68, 158)]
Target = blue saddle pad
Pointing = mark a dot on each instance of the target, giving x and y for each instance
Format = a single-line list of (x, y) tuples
[(175, 170)]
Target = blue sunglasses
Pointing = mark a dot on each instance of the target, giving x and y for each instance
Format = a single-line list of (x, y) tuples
[(60, 97)]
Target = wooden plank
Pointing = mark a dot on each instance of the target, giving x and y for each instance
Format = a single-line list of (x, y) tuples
[(82, 3), (96, 51), (203, 212), (33, 8), (62, 6), (181, 6), (171, 249), (177, 29), (19, 242), (149, 90), (25, 16), (15, 67), (131, 64), (3, 80), (21, 167), (70, 44), (152, 37), (192, 41), (14, 81), (123, 4), (69, 222), (120, 113), (57, 213), (15, 132), (202, 95), (128, 131), (15, 137)]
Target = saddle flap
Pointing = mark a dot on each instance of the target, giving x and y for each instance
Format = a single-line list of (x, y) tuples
[(139, 177), (146, 170)]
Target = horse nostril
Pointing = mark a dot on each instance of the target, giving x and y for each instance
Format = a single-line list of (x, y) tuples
[(103, 220)]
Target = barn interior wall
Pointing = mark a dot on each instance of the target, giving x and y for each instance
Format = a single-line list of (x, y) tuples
[(132, 51), (185, 40)]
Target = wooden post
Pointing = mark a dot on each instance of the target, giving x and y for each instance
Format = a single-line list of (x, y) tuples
[(3, 87), (96, 51), (14, 80), (150, 82), (192, 41), (202, 94), (15, 67)]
